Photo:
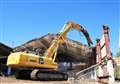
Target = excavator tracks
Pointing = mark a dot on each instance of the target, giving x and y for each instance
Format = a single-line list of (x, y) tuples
[(23, 74), (41, 75), (48, 75)]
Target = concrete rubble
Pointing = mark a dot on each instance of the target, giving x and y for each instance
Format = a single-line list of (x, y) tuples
[(71, 51)]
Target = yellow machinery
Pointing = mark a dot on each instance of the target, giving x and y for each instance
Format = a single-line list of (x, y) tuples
[(44, 67)]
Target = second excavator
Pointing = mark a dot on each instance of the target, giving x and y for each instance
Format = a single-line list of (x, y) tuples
[(44, 67)]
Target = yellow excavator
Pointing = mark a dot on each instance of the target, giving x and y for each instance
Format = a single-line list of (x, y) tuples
[(44, 67)]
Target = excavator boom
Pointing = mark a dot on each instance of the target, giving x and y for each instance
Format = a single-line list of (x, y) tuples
[(62, 36), (71, 25)]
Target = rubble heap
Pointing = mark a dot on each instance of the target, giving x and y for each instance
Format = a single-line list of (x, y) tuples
[(71, 51)]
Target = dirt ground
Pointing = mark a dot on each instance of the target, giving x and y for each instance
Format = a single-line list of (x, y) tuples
[(13, 80)]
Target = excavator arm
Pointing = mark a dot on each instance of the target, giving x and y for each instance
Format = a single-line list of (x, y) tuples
[(50, 52), (72, 25)]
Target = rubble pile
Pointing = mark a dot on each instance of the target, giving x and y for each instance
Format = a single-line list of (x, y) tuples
[(71, 51)]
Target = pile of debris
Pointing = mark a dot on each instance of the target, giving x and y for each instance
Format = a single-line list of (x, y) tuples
[(72, 51)]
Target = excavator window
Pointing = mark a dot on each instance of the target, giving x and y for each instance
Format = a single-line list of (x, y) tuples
[(41, 60)]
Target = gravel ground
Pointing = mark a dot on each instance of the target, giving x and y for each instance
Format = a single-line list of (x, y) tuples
[(12, 80)]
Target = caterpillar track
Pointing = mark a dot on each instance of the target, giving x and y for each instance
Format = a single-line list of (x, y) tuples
[(41, 75)]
